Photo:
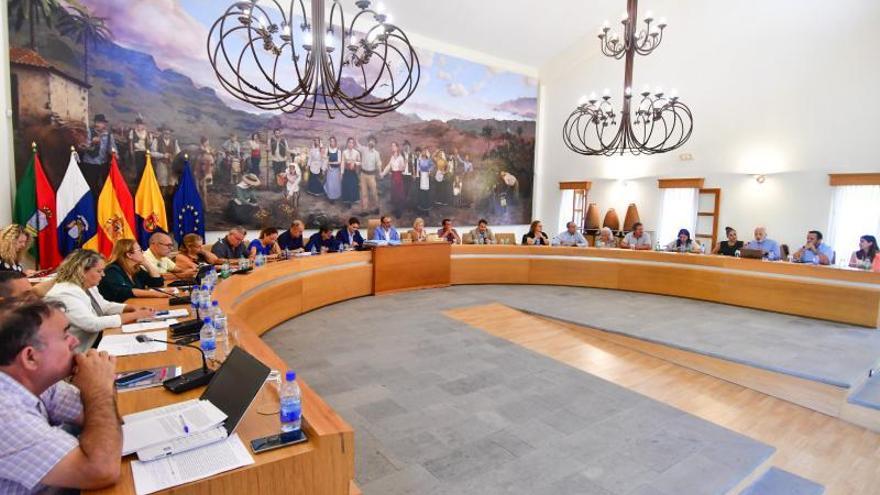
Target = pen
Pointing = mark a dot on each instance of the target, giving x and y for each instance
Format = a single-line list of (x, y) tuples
[(183, 422)]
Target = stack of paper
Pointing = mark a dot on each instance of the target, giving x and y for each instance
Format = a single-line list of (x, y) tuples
[(162, 425), (150, 477), (127, 345), (148, 325)]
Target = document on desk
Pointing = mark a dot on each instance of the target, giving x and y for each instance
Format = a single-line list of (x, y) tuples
[(164, 426), (127, 344), (174, 313), (152, 476), (148, 325)]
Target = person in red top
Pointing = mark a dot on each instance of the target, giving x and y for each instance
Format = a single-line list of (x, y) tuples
[(448, 232)]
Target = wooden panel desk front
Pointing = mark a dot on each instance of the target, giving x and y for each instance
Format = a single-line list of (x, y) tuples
[(847, 296), (410, 266), (254, 303)]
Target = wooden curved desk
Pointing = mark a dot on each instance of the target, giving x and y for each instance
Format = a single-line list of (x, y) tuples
[(270, 295), (847, 296)]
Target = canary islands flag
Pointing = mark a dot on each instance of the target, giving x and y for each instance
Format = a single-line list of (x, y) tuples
[(149, 207), (77, 222), (189, 214), (115, 210)]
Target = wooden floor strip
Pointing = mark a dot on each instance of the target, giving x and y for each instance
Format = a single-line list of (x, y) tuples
[(843, 457)]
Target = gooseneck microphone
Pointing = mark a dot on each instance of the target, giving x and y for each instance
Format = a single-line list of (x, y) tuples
[(186, 381)]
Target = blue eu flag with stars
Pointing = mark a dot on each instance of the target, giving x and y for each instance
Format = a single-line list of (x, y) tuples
[(189, 212)]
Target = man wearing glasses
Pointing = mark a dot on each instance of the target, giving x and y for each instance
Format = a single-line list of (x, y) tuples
[(160, 247), (232, 247)]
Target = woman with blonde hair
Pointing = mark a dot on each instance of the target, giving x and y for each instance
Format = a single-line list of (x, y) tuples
[(128, 275), (418, 233), (76, 286), (14, 241), (192, 254)]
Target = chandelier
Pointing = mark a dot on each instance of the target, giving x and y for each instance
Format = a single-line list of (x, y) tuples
[(283, 59), (658, 122)]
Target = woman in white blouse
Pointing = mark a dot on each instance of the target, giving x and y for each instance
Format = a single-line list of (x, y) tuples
[(76, 286)]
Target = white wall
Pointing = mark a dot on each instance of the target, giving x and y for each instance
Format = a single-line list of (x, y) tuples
[(783, 87)]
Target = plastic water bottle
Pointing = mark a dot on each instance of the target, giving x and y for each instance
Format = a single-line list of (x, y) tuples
[(737, 253), (702, 249), (195, 295), (242, 263), (291, 404), (207, 338), (314, 251), (220, 329), (287, 253), (259, 260), (206, 296)]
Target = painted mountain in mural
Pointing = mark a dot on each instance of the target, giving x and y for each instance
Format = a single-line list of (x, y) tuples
[(448, 114)]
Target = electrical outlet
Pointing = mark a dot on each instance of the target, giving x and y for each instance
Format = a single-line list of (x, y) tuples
[(685, 157)]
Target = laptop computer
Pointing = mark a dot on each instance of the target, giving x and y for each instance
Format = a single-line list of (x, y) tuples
[(754, 254), (232, 390)]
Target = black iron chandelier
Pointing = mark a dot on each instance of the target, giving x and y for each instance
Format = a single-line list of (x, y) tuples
[(283, 59), (658, 123)]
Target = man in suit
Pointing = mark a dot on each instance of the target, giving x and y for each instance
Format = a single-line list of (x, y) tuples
[(292, 239), (350, 235), (323, 241), (385, 231)]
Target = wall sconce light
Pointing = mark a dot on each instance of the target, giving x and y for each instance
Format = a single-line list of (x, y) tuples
[(760, 178)]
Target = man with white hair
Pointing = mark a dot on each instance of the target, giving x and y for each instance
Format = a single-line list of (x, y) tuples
[(769, 246), (232, 246)]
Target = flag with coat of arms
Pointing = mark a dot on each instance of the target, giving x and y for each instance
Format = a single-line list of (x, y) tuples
[(75, 203), (35, 210), (149, 206), (115, 210)]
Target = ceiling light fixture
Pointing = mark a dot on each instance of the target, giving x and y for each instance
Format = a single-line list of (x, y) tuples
[(283, 59), (660, 122)]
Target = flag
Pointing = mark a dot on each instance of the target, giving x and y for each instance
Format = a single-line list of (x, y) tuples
[(77, 222), (25, 209), (189, 214), (115, 210), (35, 209), (149, 207)]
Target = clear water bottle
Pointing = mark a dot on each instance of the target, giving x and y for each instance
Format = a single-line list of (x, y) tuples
[(287, 253), (816, 259), (313, 250), (242, 263), (259, 260), (291, 404), (207, 338), (215, 309), (737, 253), (195, 296), (205, 296)]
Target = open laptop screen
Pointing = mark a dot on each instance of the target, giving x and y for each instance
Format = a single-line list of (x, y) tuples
[(235, 385)]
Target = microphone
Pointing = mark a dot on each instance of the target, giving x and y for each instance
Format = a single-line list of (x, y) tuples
[(186, 381)]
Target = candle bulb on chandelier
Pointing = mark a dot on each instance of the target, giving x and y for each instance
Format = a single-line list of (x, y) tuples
[(649, 16), (658, 91), (624, 17), (662, 24), (593, 97)]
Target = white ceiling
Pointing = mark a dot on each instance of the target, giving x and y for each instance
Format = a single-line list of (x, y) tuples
[(525, 32)]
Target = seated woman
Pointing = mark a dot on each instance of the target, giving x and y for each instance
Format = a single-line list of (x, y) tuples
[(89, 313), (192, 254), (14, 241), (535, 235), (128, 275), (265, 245), (866, 256), (418, 233), (684, 243), (730, 246), (606, 239)]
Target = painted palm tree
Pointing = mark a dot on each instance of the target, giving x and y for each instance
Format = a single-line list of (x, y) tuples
[(33, 11), (83, 27)]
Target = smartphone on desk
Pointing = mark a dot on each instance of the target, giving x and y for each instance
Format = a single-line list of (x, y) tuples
[(277, 441)]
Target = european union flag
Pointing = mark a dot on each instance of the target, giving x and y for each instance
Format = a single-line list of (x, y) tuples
[(189, 212)]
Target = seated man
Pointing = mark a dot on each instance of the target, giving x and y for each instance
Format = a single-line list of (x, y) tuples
[(448, 233), (569, 237), (769, 246), (385, 231), (814, 251), (483, 234), (14, 285), (637, 239), (36, 401), (351, 235), (157, 253), (292, 239), (322, 241), (231, 247)]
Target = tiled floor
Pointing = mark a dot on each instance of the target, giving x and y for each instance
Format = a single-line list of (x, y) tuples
[(441, 408)]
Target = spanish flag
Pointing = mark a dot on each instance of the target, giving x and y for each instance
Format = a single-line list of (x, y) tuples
[(115, 211), (149, 207)]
